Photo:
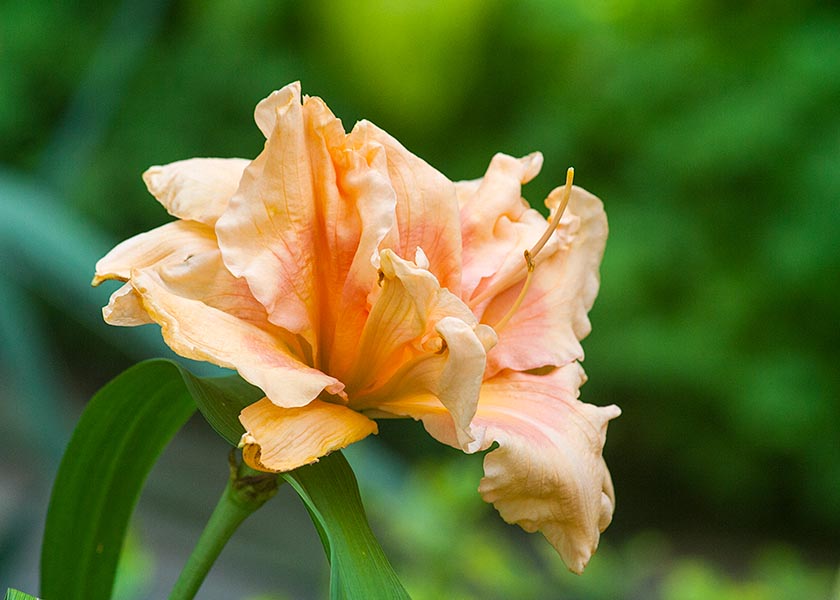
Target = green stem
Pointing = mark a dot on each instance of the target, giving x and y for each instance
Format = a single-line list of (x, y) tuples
[(245, 492)]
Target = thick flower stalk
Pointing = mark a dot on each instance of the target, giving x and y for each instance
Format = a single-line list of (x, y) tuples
[(351, 281)]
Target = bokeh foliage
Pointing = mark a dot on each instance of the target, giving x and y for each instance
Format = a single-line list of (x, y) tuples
[(711, 130)]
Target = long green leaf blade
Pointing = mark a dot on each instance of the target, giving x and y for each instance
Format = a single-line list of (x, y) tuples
[(359, 568), (18, 595), (122, 432)]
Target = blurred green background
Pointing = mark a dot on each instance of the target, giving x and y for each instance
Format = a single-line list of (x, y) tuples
[(711, 130)]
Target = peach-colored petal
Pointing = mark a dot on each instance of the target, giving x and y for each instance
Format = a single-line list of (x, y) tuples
[(265, 113), (547, 327), (426, 211), (197, 189), (125, 308), (402, 321), (489, 209), (267, 234), (170, 243), (198, 331), (548, 473), (420, 339), (356, 210), (281, 439), (449, 380)]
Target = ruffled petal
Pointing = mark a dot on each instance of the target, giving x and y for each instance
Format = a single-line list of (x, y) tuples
[(197, 189), (421, 340), (402, 322), (125, 309), (281, 439), (547, 327), (426, 210), (548, 473), (167, 244), (356, 210), (268, 232), (175, 298), (492, 211)]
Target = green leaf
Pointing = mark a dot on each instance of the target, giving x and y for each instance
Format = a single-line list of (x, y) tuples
[(358, 565), (122, 432), (119, 437), (17, 595), (220, 400)]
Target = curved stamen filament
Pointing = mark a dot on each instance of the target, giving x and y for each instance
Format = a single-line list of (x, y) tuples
[(561, 208), (531, 254)]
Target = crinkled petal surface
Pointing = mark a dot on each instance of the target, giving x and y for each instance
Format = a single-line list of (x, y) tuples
[(489, 207), (547, 327), (268, 233), (548, 473), (168, 244), (281, 439), (174, 298), (426, 209), (125, 308)]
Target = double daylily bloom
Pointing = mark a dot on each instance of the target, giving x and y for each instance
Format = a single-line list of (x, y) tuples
[(349, 280)]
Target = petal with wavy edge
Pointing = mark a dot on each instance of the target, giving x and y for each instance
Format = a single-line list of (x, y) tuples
[(268, 232), (125, 309), (265, 113), (402, 322), (197, 189), (426, 210), (356, 211), (548, 473), (170, 243), (547, 327), (449, 380), (198, 331), (489, 207), (587, 242), (281, 439)]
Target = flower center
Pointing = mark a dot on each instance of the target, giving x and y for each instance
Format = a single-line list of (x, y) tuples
[(531, 255)]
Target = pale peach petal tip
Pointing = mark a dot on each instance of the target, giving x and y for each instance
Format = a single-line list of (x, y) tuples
[(281, 439)]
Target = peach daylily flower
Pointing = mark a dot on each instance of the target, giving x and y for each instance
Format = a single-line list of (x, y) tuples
[(349, 280)]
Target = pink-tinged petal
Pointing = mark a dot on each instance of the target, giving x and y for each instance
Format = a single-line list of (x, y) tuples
[(420, 339), (197, 189), (548, 473), (167, 244), (426, 210), (402, 322), (492, 214), (356, 210), (281, 439), (267, 235), (449, 379), (196, 330), (585, 241), (547, 327), (125, 309)]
